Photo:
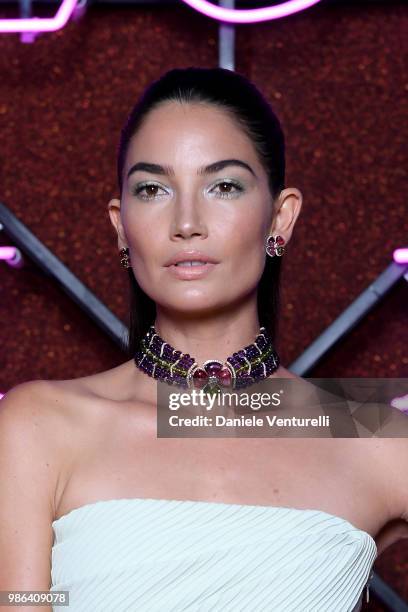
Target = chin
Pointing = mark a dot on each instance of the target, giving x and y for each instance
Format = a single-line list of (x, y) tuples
[(196, 305)]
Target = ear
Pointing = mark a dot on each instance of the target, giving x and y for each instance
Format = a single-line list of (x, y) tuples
[(287, 208), (114, 214)]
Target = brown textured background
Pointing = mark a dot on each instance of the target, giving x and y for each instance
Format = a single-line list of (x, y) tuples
[(336, 78)]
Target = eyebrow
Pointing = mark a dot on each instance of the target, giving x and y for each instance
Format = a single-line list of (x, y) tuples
[(203, 170)]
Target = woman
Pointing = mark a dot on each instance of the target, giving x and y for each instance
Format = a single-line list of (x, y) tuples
[(94, 502)]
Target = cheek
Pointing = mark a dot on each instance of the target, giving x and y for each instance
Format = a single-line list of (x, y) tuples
[(142, 235), (142, 259), (245, 246)]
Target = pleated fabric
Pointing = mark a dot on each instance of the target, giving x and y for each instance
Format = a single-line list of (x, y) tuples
[(159, 555)]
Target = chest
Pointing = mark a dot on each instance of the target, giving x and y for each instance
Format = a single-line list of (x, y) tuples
[(122, 457)]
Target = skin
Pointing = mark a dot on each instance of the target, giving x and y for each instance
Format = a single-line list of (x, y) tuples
[(216, 315)]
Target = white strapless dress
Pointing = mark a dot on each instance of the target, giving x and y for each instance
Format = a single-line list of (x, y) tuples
[(159, 555)]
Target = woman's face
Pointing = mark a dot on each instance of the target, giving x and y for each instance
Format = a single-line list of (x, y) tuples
[(223, 212)]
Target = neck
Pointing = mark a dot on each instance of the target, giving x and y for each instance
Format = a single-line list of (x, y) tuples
[(215, 337)]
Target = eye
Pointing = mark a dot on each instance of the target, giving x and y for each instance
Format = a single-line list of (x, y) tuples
[(150, 193), (227, 185), (229, 189)]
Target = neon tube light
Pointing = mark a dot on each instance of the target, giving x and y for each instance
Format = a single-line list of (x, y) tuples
[(7, 252), (401, 403), (51, 24), (400, 256), (12, 256), (250, 15), (40, 24)]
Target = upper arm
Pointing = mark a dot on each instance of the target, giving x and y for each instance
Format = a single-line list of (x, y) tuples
[(28, 477)]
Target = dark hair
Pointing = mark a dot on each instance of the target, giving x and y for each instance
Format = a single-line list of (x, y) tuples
[(233, 93)]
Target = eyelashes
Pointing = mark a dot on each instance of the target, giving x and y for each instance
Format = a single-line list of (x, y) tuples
[(140, 187)]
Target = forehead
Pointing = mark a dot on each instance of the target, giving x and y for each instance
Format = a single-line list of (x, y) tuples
[(181, 131)]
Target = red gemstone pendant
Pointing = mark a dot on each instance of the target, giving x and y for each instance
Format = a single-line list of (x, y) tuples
[(200, 378), (213, 368), (225, 377), (211, 376)]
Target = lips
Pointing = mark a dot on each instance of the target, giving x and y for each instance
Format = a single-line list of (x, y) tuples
[(191, 264), (190, 256), (190, 273)]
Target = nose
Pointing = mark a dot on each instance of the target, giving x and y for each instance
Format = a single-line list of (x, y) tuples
[(188, 220)]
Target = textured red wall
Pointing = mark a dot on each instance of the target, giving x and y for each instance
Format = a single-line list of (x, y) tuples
[(336, 78)]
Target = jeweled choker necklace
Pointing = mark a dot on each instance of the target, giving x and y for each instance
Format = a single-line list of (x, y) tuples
[(247, 366)]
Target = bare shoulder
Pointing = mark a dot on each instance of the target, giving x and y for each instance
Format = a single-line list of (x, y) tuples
[(390, 458), (117, 384), (282, 372), (17, 397), (91, 404), (43, 425), (391, 461), (51, 420), (33, 414), (29, 407), (29, 471), (43, 405)]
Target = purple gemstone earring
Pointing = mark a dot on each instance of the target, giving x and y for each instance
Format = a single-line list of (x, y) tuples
[(274, 246), (124, 257)]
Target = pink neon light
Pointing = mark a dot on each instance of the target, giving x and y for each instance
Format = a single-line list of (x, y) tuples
[(51, 24), (7, 252), (40, 24), (12, 256), (400, 256), (401, 403), (252, 15)]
